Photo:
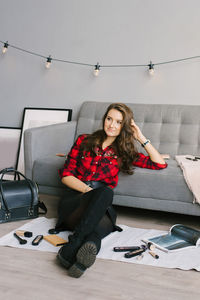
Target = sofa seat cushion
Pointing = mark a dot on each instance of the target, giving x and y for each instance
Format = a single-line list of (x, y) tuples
[(165, 184), (45, 171)]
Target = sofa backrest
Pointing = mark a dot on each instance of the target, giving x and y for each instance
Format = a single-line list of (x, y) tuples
[(172, 129)]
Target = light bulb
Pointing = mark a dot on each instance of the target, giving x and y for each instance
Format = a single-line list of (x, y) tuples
[(5, 48), (96, 70), (48, 62), (151, 68)]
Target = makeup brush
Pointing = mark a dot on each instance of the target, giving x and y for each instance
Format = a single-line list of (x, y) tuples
[(21, 241)]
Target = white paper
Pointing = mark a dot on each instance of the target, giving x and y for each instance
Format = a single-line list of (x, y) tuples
[(186, 259)]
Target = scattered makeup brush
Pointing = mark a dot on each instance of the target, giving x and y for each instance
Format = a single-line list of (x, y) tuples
[(134, 253), (60, 154), (137, 250), (151, 246), (195, 158), (156, 256), (126, 248), (21, 241)]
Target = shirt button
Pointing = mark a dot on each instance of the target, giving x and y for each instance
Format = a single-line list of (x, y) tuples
[(111, 162), (96, 162), (93, 172)]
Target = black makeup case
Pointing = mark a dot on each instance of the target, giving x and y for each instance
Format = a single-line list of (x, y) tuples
[(19, 198)]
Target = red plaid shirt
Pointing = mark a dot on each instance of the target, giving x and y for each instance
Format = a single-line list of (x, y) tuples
[(102, 167)]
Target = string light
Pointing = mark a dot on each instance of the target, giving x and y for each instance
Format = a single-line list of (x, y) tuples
[(151, 68), (48, 62), (97, 66), (5, 47), (96, 70)]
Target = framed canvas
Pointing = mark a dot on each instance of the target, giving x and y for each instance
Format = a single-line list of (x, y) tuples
[(9, 147), (37, 117)]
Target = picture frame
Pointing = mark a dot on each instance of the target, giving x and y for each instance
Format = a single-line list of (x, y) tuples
[(37, 117), (9, 145)]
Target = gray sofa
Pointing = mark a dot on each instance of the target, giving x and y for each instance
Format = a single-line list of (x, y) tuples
[(172, 129)]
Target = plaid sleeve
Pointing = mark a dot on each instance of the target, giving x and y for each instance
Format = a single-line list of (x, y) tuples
[(144, 161), (69, 168)]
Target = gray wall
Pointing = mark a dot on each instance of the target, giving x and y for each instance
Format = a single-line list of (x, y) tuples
[(107, 31)]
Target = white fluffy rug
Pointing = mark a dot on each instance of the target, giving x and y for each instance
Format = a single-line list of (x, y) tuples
[(186, 259)]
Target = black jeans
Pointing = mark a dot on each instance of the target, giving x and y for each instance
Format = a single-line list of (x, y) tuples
[(74, 204)]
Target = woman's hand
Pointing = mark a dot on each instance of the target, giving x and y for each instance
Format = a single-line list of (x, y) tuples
[(76, 184), (87, 189), (137, 132), (152, 152)]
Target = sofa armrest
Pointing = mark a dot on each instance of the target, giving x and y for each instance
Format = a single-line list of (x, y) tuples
[(47, 140)]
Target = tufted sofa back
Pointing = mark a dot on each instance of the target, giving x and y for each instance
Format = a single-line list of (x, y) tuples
[(172, 129)]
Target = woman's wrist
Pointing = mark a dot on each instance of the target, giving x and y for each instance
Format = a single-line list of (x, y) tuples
[(145, 143), (142, 139)]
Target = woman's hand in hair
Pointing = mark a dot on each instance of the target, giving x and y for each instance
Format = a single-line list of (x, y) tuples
[(152, 152), (137, 133)]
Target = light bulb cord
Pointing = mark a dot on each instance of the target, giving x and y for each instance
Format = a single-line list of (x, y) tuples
[(102, 66)]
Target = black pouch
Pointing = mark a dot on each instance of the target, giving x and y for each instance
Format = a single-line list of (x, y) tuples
[(19, 198)]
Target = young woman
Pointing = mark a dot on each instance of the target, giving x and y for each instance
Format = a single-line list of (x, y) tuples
[(90, 173)]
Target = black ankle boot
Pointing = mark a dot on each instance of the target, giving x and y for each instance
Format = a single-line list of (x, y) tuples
[(67, 254), (85, 256)]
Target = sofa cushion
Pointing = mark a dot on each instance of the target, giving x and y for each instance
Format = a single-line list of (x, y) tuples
[(166, 184)]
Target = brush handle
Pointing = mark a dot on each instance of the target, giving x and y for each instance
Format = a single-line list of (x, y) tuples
[(134, 253), (21, 241)]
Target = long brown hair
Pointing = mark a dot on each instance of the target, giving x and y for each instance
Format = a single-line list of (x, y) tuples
[(124, 144)]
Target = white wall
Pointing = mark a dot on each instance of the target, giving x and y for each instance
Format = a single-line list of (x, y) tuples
[(107, 31)]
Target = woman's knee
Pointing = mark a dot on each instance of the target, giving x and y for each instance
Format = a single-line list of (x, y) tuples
[(106, 194), (109, 191)]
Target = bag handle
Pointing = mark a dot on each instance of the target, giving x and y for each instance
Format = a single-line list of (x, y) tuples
[(12, 170)]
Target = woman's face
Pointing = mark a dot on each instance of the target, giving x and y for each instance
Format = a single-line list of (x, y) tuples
[(113, 123)]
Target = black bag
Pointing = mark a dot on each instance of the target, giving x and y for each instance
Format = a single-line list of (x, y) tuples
[(18, 198)]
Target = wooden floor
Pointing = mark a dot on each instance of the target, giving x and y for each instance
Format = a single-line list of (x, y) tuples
[(27, 274)]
